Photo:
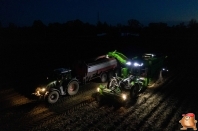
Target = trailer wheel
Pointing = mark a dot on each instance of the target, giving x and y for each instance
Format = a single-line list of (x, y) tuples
[(72, 88), (53, 97), (134, 91), (103, 77)]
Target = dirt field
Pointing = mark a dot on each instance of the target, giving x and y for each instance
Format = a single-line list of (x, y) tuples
[(156, 109)]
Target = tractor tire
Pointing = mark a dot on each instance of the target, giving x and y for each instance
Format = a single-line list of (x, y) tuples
[(142, 87), (52, 97), (103, 77), (99, 99), (72, 88), (134, 91)]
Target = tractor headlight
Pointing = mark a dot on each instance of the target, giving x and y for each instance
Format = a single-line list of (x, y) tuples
[(98, 89), (124, 97), (41, 90), (128, 63), (137, 64), (164, 69)]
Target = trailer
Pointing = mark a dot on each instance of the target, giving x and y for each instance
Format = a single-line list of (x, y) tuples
[(101, 67)]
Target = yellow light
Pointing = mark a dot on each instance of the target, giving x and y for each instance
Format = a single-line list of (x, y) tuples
[(98, 89), (43, 89), (124, 96)]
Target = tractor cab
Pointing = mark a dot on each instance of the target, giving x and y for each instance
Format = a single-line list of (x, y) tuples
[(61, 74), (133, 67)]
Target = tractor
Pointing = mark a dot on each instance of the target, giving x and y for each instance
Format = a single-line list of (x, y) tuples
[(136, 74)]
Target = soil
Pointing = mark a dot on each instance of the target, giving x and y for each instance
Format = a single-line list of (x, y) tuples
[(158, 108)]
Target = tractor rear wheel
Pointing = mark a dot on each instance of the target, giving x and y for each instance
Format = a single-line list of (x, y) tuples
[(72, 88)]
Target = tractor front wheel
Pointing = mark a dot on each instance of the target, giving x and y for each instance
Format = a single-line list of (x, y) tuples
[(134, 91), (53, 97), (99, 99)]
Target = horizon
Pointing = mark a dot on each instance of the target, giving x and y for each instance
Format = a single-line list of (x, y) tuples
[(113, 12), (144, 23)]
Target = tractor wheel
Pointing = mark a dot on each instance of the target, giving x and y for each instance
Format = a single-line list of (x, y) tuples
[(134, 91), (72, 88), (142, 87), (53, 97), (103, 77), (99, 99)]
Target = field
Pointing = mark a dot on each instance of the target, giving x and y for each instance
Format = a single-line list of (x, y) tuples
[(156, 109)]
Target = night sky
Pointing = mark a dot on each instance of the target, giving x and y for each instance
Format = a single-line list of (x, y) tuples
[(24, 12)]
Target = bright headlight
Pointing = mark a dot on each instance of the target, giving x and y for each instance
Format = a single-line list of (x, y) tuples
[(124, 97), (137, 64), (43, 89), (128, 63)]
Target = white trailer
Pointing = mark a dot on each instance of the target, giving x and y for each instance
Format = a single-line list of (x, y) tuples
[(101, 67)]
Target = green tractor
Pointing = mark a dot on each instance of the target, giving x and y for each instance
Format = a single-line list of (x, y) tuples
[(135, 75)]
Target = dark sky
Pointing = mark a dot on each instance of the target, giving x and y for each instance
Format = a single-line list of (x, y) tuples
[(24, 12)]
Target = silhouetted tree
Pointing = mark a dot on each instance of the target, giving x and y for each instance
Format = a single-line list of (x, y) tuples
[(119, 25), (12, 25), (101, 27), (54, 25), (182, 25), (38, 24), (54, 30), (99, 24), (39, 29), (193, 23), (134, 24), (89, 29), (159, 25), (180, 28), (78, 27), (78, 23)]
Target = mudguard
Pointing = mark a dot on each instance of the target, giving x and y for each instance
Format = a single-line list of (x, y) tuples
[(54, 89)]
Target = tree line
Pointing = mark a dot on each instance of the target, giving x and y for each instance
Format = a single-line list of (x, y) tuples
[(38, 30)]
